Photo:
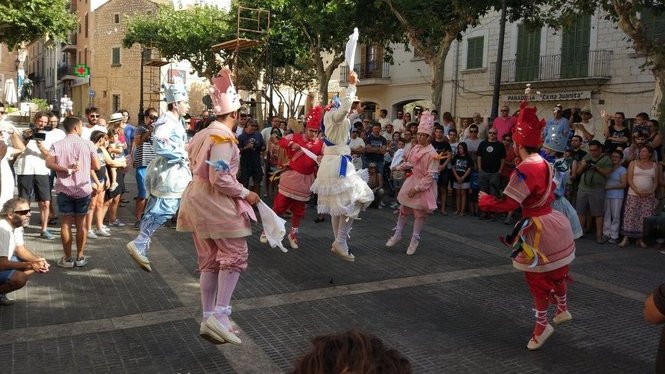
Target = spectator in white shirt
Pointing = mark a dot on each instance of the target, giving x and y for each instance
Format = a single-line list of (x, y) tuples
[(398, 123), (32, 173)]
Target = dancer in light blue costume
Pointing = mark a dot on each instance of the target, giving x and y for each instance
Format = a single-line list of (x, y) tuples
[(556, 144), (167, 175)]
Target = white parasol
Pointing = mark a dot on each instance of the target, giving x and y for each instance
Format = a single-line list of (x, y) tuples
[(350, 52)]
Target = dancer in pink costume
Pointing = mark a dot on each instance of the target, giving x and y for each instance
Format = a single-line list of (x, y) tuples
[(418, 194), (216, 208)]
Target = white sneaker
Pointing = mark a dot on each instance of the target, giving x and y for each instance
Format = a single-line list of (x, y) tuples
[(140, 259), (293, 239), (208, 334), (562, 317), (104, 232), (342, 253), (537, 341), (216, 327), (393, 240), (92, 235), (412, 247)]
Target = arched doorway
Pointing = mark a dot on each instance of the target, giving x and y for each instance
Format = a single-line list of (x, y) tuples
[(369, 109), (411, 106)]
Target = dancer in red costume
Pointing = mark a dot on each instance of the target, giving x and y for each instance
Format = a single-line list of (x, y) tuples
[(543, 239), (295, 182)]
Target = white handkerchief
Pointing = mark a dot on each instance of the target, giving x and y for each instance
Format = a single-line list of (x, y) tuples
[(309, 154), (350, 52), (273, 226)]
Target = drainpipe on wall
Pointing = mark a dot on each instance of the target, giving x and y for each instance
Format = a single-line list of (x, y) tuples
[(456, 80)]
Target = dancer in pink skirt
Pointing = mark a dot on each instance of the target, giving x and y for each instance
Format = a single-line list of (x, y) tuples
[(418, 194), (216, 208), (543, 238)]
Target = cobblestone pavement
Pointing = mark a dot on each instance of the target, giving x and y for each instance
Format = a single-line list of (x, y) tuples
[(457, 305)]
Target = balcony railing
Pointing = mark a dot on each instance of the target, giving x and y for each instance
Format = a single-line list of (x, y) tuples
[(65, 70), (367, 70), (553, 68), (70, 43)]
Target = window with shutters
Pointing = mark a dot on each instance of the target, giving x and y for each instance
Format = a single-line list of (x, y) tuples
[(115, 59), (527, 59), (371, 62), (115, 103), (575, 48), (654, 24), (474, 52)]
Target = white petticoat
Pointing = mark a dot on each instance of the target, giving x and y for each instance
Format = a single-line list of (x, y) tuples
[(347, 195)]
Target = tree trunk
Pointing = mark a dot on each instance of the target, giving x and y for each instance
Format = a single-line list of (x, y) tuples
[(438, 67), (644, 45), (658, 102), (324, 73)]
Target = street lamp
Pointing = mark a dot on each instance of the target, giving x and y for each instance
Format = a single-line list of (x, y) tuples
[(141, 115), (499, 63)]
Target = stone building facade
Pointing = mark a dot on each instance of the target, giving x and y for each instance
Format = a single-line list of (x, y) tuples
[(116, 79), (591, 65), (7, 69)]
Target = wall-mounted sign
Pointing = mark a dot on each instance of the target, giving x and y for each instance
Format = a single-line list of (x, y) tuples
[(551, 96)]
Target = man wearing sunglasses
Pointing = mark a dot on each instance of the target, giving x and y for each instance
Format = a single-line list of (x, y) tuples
[(17, 263), (504, 123), (93, 123)]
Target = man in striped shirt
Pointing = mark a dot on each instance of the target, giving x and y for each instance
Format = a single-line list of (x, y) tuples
[(72, 158), (143, 154)]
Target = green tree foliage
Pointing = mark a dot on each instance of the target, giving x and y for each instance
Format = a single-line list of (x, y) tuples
[(29, 20), (432, 26), (641, 20), (184, 35), (319, 29)]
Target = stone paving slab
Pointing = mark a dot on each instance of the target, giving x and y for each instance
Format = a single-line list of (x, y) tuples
[(638, 274), (165, 348), (471, 326), (473, 322), (312, 266), (109, 286)]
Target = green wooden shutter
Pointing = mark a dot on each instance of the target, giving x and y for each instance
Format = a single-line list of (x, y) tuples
[(474, 52), (575, 48), (654, 25), (115, 60), (527, 64)]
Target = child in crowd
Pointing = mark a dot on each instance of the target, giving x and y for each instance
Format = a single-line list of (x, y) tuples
[(397, 175), (462, 166), (116, 149)]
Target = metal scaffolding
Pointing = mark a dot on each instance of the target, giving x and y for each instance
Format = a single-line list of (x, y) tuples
[(241, 52)]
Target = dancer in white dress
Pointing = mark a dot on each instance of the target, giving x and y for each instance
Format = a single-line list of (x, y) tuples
[(342, 191)]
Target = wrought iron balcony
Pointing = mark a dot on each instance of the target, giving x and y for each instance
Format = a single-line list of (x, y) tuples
[(69, 45), (593, 69), (369, 73), (66, 71)]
